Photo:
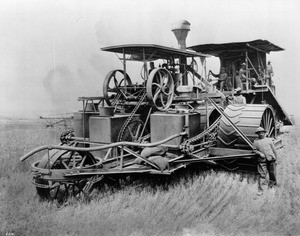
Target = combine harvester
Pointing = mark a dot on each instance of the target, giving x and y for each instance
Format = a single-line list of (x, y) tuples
[(172, 119)]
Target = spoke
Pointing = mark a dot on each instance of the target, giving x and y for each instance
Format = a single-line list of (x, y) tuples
[(115, 80), (162, 100), (167, 94), (271, 126), (264, 122), (74, 160), (157, 93), (272, 130), (137, 133), (82, 162), (130, 133), (156, 84), (64, 164), (122, 92), (125, 82), (57, 190), (268, 122)]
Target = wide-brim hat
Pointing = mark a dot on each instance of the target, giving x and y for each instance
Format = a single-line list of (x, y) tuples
[(260, 129), (243, 64), (237, 89)]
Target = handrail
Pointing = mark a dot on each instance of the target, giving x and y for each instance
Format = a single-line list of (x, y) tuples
[(90, 149)]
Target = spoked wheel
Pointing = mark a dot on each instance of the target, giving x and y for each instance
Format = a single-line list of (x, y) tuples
[(160, 88), (247, 118), (115, 87), (54, 185), (268, 123), (135, 131)]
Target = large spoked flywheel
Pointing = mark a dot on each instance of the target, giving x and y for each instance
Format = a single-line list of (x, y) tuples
[(115, 87), (160, 88), (247, 118)]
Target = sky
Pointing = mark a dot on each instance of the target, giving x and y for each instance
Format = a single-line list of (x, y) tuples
[(50, 50)]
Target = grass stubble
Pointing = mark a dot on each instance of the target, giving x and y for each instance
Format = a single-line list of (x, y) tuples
[(207, 203)]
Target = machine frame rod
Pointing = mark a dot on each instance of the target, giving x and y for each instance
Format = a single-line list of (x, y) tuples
[(250, 155)]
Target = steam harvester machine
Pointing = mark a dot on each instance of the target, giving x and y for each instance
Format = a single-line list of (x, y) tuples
[(174, 118)]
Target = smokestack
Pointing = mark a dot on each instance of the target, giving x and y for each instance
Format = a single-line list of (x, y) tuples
[(181, 30)]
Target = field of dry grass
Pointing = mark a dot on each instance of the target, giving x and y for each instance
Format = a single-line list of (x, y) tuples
[(208, 203)]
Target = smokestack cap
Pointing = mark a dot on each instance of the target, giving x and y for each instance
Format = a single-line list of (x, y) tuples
[(182, 24), (181, 30)]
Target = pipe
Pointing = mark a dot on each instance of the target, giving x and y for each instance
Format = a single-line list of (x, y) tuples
[(68, 148)]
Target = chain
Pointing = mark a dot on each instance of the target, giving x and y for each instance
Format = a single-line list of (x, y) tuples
[(116, 100), (131, 115), (210, 133)]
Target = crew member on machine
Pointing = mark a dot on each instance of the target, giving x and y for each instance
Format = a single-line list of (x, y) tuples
[(222, 77), (270, 74), (242, 78), (152, 66), (238, 98)]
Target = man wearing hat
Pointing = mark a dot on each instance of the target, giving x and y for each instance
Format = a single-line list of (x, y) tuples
[(270, 69), (239, 98), (267, 156), (270, 74), (241, 76), (222, 77)]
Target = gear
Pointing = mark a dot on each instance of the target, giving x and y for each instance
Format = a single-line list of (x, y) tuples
[(66, 136)]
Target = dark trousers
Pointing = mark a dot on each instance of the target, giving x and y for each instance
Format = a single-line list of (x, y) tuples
[(263, 169)]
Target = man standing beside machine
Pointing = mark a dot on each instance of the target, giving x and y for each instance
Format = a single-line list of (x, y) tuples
[(266, 162)]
